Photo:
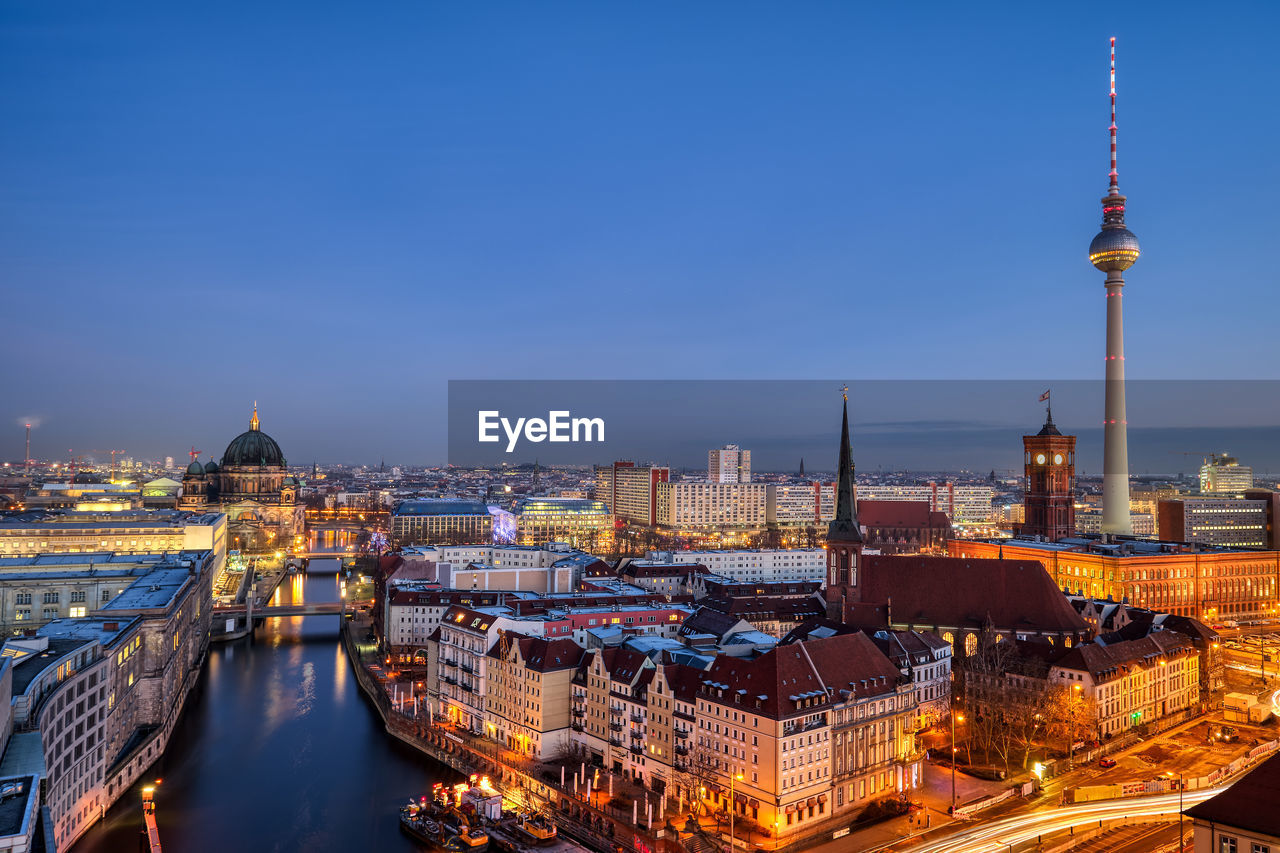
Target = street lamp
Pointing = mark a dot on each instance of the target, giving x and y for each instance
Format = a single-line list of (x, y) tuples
[(954, 718), (733, 806)]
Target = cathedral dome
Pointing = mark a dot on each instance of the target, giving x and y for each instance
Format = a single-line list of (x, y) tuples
[(253, 448), (211, 468), (195, 469)]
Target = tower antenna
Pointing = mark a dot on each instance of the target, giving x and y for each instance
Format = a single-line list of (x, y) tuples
[(1114, 176)]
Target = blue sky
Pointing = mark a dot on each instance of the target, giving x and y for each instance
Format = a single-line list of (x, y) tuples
[(335, 208)]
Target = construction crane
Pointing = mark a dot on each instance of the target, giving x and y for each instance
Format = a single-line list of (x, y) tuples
[(113, 463), (193, 453)]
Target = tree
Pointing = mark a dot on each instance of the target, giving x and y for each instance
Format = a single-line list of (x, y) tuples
[(698, 770)]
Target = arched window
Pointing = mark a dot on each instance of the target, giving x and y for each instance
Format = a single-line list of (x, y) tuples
[(970, 643), (950, 638)]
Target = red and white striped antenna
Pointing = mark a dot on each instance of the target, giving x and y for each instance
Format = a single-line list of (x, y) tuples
[(1114, 178)]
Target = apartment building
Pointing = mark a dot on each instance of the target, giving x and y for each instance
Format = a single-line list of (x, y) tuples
[(466, 636), (762, 565), (962, 504), (729, 464), (815, 729), (630, 490), (529, 693), (800, 504), (711, 505), (611, 704), (1133, 682)]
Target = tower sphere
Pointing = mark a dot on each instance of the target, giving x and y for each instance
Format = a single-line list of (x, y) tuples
[(1114, 249)]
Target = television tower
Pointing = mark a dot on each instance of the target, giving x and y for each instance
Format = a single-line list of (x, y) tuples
[(1113, 251)]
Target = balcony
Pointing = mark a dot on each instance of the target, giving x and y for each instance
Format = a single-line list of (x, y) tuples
[(637, 750), (448, 661), (637, 718), (577, 727), (616, 726), (636, 734), (683, 716), (448, 679), (578, 712), (681, 749), (466, 687), (681, 733), (799, 726), (616, 741), (466, 667), (614, 709)]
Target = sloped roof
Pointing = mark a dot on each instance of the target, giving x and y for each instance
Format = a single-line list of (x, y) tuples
[(802, 677), (1249, 804), (961, 592), (1098, 659), (873, 513)]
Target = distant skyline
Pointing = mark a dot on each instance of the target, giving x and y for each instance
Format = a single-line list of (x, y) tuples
[(335, 211)]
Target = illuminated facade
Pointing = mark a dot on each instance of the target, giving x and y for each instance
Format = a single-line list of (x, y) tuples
[(631, 491), (1049, 483), (1222, 474), (1186, 579), (529, 691), (800, 504), (253, 487), (962, 504), (683, 506), (729, 464), (437, 521), (576, 521)]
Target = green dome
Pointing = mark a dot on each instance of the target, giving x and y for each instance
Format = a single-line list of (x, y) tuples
[(195, 469), (254, 447), (211, 468)]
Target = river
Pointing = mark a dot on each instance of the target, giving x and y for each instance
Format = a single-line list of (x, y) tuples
[(277, 751)]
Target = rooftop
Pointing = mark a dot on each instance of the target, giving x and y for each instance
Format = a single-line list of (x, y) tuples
[(155, 589), (16, 793), (441, 506), (1249, 804)]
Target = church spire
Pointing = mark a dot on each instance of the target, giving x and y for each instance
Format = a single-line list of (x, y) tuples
[(844, 527), (253, 421)]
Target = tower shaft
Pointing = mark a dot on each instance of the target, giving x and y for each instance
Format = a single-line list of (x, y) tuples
[(1115, 432)]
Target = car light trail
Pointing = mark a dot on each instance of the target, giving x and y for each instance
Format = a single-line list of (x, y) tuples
[(998, 835)]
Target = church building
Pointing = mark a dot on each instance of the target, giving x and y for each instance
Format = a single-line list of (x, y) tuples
[(253, 487)]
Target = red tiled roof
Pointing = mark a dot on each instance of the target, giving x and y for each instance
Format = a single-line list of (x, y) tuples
[(801, 678), (895, 514), (957, 592)]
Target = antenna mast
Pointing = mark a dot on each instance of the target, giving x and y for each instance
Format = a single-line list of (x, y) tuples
[(1114, 178)]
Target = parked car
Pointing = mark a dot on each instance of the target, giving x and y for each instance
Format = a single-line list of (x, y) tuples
[(1106, 762)]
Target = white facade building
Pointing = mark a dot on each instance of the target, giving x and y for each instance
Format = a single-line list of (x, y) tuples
[(691, 505), (729, 464), (758, 566), (962, 504)]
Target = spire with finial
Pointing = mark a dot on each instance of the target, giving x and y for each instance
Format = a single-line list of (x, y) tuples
[(844, 526), (253, 421)]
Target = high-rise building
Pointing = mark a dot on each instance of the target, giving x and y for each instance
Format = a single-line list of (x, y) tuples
[(729, 464), (1049, 460), (1247, 522), (800, 504), (711, 505), (631, 491), (962, 504), (1113, 251), (1223, 474)]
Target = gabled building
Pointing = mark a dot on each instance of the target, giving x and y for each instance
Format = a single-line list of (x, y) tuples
[(815, 729), (1244, 817), (529, 693)]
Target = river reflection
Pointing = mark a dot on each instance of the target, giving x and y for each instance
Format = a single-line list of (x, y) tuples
[(277, 751)]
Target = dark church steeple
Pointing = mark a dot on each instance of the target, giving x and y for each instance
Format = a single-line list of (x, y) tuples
[(844, 527), (844, 534)]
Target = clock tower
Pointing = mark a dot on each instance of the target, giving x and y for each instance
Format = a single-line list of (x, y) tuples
[(1049, 459)]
